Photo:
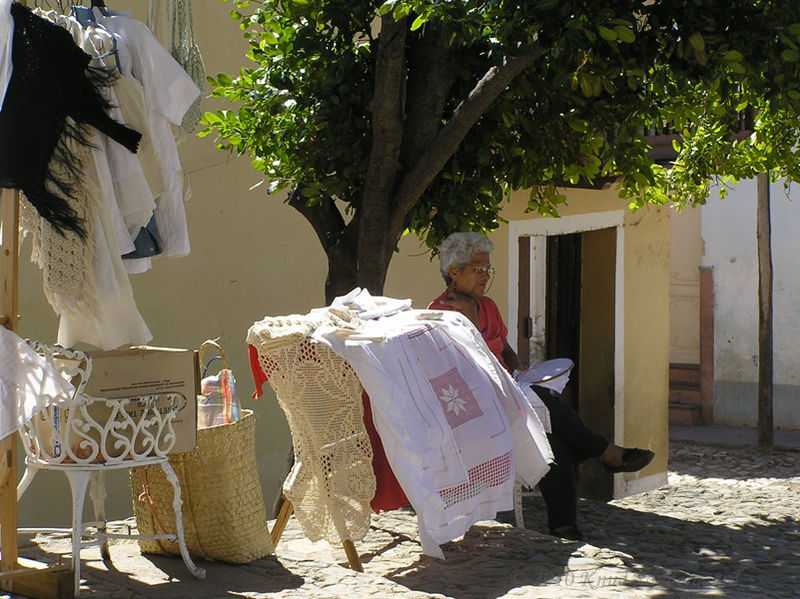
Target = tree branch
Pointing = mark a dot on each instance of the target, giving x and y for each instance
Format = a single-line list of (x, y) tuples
[(324, 217), (387, 137), (432, 69), (466, 114)]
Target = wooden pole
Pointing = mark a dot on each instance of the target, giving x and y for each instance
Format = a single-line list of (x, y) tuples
[(26, 577), (9, 229), (765, 343)]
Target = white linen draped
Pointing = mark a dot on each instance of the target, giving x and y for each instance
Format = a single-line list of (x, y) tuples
[(455, 426), (28, 384)]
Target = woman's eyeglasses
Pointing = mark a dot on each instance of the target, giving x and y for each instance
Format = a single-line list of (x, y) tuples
[(484, 270)]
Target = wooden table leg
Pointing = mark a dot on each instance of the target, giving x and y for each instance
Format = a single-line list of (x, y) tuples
[(352, 555), (8, 505), (280, 522)]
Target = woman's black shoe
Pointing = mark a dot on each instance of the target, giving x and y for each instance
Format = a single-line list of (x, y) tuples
[(633, 460), (569, 532)]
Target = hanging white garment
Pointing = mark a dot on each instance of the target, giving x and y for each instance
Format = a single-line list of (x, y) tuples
[(130, 95), (118, 321), (131, 189), (455, 427), (6, 43), (28, 384), (159, 20), (168, 92), (84, 280)]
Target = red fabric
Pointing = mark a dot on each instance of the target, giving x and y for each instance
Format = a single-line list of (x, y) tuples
[(493, 329), (388, 493), (259, 378)]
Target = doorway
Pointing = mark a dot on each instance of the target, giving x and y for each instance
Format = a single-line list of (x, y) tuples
[(572, 278)]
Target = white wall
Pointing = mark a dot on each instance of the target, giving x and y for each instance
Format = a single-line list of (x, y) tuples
[(729, 235)]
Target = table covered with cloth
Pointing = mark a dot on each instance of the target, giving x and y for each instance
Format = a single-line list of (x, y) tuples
[(455, 427)]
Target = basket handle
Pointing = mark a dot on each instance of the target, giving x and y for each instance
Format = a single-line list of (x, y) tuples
[(212, 343)]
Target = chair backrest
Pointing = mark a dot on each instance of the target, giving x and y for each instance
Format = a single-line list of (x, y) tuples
[(95, 430)]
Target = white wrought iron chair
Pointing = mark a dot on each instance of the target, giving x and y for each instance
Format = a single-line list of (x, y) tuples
[(95, 435)]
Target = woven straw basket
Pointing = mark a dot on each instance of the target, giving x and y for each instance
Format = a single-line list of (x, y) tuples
[(224, 517)]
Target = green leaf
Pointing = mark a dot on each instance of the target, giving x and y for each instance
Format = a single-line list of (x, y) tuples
[(700, 55), (387, 7), (607, 34), (418, 22), (625, 34), (579, 126), (794, 29), (790, 55), (400, 11), (733, 56), (586, 85), (697, 41)]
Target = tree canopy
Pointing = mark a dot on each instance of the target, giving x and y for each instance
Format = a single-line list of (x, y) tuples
[(381, 118)]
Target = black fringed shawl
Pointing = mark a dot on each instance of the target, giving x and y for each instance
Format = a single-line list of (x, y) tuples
[(51, 80)]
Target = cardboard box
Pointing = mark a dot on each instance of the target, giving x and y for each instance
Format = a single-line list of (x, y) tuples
[(139, 371)]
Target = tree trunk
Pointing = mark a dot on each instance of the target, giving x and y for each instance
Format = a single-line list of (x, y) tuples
[(342, 271), (344, 275), (765, 374)]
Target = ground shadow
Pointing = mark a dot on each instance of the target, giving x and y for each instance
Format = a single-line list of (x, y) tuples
[(166, 577), (751, 561)]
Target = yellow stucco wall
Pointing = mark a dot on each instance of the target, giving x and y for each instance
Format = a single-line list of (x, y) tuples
[(645, 410), (253, 256), (642, 396)]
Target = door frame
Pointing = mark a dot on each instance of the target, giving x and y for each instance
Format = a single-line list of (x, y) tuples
[(537, 230)]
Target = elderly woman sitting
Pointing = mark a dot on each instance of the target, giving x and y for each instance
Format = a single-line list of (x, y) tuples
[(465, 266)]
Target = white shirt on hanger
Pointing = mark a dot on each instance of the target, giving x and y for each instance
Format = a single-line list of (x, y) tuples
[(169, 92)]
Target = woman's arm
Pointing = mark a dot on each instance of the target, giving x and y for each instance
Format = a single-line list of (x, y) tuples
[(511, 358)]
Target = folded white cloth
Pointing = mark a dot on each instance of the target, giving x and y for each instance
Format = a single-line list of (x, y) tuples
[(28, 383), (552, 374), (369, 306)]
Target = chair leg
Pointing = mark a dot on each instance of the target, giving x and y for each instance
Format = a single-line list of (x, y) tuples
[(280, 522), (520, 519), (352, 555), (97, 493), (78, 481), (25, 482), (176, 506)]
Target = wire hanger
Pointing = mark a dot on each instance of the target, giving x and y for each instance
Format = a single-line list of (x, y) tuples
[(85, 16), (56, 5), (99, 4)]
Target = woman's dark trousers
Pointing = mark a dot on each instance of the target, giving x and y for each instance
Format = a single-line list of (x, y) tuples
[(572, 442)]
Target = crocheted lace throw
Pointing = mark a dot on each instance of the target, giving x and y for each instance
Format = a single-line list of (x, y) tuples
[(332, 481), (65, 259)]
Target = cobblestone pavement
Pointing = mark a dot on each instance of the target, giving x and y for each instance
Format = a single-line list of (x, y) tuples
[(725, 526)]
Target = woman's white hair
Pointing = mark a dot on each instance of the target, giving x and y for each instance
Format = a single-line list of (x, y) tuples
[(458, 249)]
